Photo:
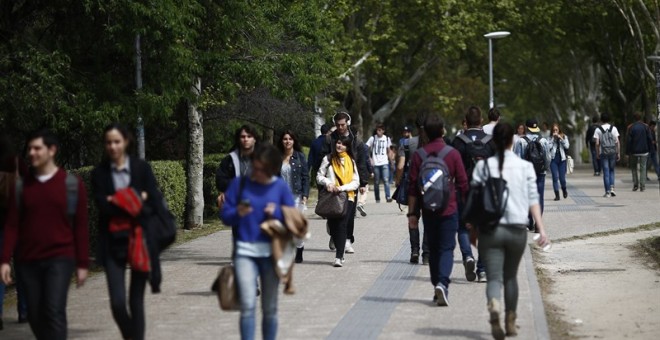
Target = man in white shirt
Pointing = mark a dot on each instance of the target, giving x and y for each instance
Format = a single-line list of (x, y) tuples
[(607, 154), (379, 144), (493, 119)]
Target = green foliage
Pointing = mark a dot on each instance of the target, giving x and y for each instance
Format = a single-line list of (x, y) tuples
[(92, 210), (171, 179), (211, 165)]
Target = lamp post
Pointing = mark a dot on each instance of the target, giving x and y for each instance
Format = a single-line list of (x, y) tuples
[(656, 60), (490, 36)]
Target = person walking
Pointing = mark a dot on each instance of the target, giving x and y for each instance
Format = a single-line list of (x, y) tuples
[(474, 144), (608, 152), (249, 201), (380, 144), (407, 148), (47, 226), (591, 143), (342, 121), (504, 247), (638, 147), (237, 163), (441, 225), (295, 173), (493, 119), (363, 195), (118, 179), (558, 150), (314, 156), (338, 172), (535, 149)]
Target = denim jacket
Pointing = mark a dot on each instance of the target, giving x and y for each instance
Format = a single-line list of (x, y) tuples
[(299, 174), (555, 144)]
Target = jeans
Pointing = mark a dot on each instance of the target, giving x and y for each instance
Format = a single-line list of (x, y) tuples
[(558, 169), (608, 163), (131, 325), (339, 230), (502, 251), (594, 160), (381, 172), (540, 187), (464, 241), (653, 156), (639, 178), (247, 270), (47, 287), (441, 232)]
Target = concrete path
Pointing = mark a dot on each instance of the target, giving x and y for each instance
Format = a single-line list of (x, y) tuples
[(376, 295)]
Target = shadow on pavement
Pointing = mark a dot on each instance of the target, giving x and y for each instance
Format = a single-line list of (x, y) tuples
[(452, 333)]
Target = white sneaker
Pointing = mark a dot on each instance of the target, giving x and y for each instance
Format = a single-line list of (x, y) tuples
[(338, 262), (348, 249)]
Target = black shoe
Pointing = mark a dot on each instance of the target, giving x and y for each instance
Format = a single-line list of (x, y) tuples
[(389, 200), (556, 195), (425, 259), (22, 319), (2, 326), (565, 192), (597, 173), (642, 189), (299, 254), (414, 258), (468, 264), (635, 188)]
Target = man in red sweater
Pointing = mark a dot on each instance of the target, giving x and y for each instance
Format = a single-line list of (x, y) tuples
[(441, 226), (48, 248)]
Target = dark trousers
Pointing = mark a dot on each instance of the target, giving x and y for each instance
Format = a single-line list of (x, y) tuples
[(46, 286), (441, 231), (339, 230), (594, 161), (540, 186), (350, 224), (131, 324), (414, 241)]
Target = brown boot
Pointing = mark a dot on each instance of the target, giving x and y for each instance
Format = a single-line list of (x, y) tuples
[(510, 325), (495, 327)]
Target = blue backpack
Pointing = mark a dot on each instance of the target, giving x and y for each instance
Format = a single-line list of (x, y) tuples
[(435, 182)]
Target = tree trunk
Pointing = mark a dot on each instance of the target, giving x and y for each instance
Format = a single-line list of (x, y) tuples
[(195, 178)]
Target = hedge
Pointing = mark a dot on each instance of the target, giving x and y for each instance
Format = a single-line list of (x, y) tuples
[(171, 179)]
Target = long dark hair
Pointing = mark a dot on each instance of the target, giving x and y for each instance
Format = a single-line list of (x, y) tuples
[(296, 143), (502, 137), (124, 132), (349, 147)]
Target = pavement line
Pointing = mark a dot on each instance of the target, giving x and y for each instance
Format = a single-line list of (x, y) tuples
[(370, 314), (579, 196), (538, 308)]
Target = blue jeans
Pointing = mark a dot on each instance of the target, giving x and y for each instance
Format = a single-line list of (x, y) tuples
[(540, 187), (441, 231), (381, 172), (594, 160), (247, 270), (558, 169), (608, 164)]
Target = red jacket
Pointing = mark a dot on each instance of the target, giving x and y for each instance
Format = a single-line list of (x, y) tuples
[(42, 230), (456, 170)]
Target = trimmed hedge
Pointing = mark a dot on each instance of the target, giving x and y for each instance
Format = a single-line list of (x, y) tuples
[(171, 179)]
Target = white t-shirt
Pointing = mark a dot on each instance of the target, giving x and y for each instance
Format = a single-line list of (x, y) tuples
[(488, 128), (606, 127), (379, 147)]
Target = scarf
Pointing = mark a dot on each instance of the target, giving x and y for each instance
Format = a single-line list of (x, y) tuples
[(129, 201), (343, 172)]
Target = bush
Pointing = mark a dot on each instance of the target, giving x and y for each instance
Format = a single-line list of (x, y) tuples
[(211, 165), (171, 179)]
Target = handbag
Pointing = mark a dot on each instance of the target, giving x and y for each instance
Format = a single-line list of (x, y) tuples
[(569, 164), (332, 205), (486, 202)]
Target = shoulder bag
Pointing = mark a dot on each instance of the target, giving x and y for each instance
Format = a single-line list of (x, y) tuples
[(332, 205)]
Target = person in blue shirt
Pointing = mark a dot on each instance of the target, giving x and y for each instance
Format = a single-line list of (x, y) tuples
[(314, 157), (249, 201)]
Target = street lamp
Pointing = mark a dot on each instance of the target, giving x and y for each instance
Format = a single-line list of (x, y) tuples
[(656, 60), (490, 36)]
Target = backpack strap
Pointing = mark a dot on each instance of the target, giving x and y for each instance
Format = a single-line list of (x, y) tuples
[(601, 128), (464, 138), (71, 196), (486, 139), (444, 152), (611, 127)]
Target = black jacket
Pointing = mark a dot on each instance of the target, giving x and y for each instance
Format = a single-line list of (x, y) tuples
[(639, 139), (227, 170), (356, 147), (142, 179)]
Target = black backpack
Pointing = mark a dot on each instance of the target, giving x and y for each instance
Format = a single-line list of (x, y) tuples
[(435, 181), (486, 202), (535, 154), (475, 151)]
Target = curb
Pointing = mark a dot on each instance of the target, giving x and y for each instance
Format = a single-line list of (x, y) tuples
[(538, 308)]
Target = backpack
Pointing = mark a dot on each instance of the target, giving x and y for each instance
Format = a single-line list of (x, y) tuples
[(475, 151), (71, 195), (435, 182), (486, 202), (607, 141), (535, 154)]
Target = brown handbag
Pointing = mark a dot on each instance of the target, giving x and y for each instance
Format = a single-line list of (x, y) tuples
[(332, 205), (227, 289)]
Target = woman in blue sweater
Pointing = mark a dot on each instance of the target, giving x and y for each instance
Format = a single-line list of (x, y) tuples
[(248, 202)]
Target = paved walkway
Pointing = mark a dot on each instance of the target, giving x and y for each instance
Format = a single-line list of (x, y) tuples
[(376, 295)]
